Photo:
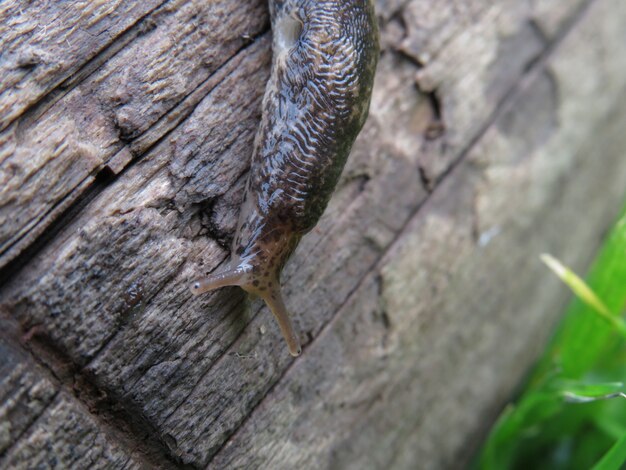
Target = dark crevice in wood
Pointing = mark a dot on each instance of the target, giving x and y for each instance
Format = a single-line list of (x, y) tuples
[(426, 181), (102, 179), (398, 16), (381, 314), (436, 127), (543, 39), (409, 57), (126, 428), (27, 65), (206, 210), (397, 11), (435, 103), (508, 98)]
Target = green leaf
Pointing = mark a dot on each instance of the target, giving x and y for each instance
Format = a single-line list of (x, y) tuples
[(584, 337), (572, 408), (580, 392), (615, 458), (584, 292)]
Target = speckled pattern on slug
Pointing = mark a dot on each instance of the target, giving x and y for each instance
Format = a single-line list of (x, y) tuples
[(315, 104)]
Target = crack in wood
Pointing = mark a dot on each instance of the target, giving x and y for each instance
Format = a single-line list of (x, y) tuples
[(70, 207), (127, 428), (34, 232)]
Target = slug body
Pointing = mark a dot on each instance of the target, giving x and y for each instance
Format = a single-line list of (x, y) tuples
[(316, 101)]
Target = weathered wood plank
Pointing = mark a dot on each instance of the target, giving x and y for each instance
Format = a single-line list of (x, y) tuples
[(142, 207), (42, 426), (550, 15), (425, 345), (51, 156), (65, 437), (382, 290), (44, 43), (24, 395)]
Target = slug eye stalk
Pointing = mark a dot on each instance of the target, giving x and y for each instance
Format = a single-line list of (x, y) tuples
[(267, 287)]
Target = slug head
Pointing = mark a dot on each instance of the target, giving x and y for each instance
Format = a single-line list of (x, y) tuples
[(257, 271)]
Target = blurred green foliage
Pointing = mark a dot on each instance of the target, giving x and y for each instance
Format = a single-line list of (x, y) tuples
[(571, 413)]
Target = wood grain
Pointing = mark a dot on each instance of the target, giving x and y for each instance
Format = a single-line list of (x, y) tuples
[(419, 297)]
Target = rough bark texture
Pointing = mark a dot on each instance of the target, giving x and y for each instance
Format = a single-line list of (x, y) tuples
[(126, 128)]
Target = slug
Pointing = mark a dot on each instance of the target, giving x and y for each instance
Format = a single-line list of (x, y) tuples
[(316, 102)]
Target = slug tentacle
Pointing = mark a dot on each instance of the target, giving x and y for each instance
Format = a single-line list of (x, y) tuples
[(223, 278), (316, 101), (265, 286), (256, 269), (274, 300)]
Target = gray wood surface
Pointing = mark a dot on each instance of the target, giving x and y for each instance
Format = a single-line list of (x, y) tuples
[(126, 128)]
